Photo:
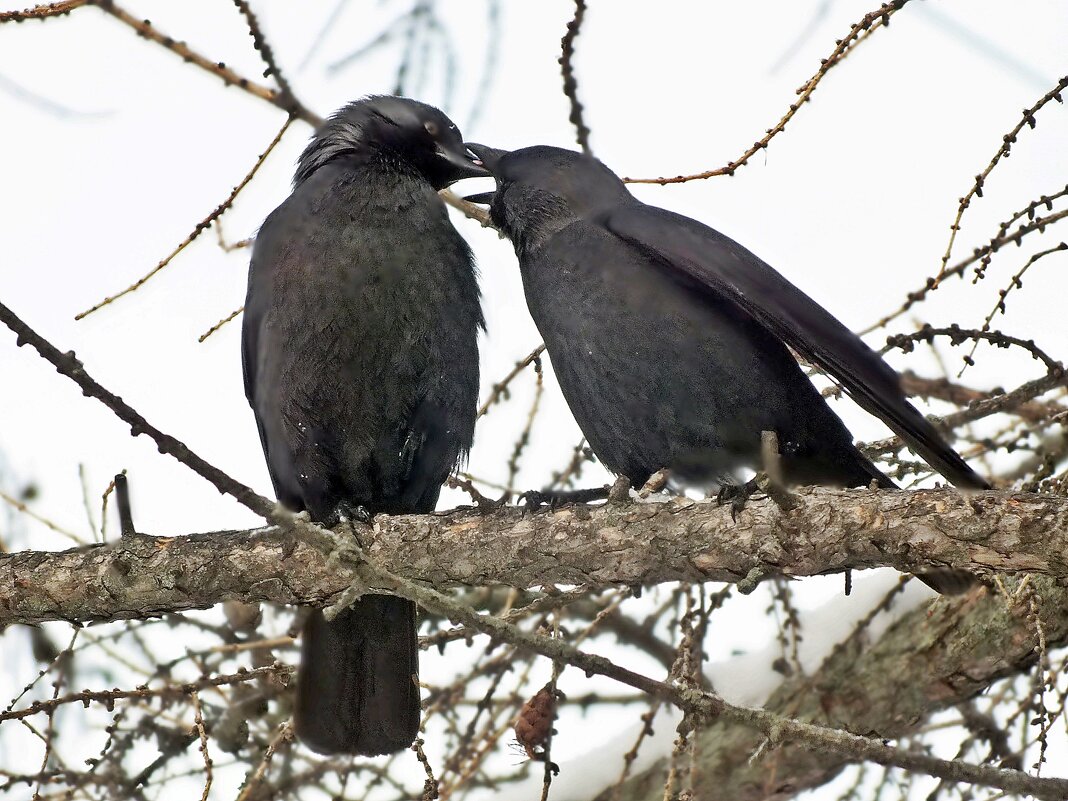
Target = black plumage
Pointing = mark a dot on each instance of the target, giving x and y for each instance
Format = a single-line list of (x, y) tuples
[(361, 366), (671, 342)]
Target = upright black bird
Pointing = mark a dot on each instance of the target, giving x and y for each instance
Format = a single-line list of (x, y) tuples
[(361, 365), (672, 342)]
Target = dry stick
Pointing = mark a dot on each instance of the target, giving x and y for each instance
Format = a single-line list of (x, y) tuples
[(267, 54), (67, 364), (198, 229), (42, 11), (984, 253), (858, 33), (690, 700), (1007, 141), (501, 387), (232, 315), (146, 30), (958, 335), (472, 210), (109, 697), (567, 53), (1016, 282), (960, 395)]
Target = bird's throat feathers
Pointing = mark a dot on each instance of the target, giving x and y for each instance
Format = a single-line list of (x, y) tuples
[(543, 216)]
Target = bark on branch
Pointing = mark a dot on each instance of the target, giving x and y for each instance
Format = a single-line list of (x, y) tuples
[(635, 543)]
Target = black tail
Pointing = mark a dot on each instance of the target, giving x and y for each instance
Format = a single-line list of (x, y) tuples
[(356, 689)]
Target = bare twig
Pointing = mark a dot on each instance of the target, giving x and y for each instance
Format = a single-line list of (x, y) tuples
[(43, 11), (231, 316), (500, 389), (1007, 141), (868, 24), (198, 229), (67, 364), (286, 98), (567, 69), (145, 29), (982, 255)]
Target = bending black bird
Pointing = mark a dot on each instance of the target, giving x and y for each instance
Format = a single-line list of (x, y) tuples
[(361, 366), (672, 342)]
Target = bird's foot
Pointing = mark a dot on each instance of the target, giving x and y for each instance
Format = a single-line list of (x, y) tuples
[(535, 499), (737, 495), (346, 512)]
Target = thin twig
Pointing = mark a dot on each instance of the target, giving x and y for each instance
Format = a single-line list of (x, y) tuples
[(200, 227), (567, 54), (500, 389), (1007, 141), (67, 364), (859, 32), (145, 29), (42, 11), (232, 315), (982, 254), (286, 98)]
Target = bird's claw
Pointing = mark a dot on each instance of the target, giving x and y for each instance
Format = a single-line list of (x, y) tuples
[(349, 513), (533, 500), (737, 495)]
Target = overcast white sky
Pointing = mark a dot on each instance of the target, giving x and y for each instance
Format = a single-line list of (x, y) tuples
[(113, 150)]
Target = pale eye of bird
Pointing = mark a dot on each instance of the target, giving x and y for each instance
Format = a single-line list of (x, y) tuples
[(431, 128)]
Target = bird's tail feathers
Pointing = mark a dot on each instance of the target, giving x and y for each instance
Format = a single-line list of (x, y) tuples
[(357, 690)]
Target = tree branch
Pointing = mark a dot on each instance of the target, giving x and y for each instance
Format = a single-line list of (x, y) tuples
[(639, 543), (930, 659)]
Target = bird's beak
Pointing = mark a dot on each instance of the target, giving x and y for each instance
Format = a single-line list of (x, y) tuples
[(464, 162), (488, 156), (485, 198)]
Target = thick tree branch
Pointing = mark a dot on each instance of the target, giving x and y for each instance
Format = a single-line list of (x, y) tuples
[(930, 659), (637, 543)]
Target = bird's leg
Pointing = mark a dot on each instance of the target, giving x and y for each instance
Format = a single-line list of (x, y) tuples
[(534, 499), (350, 514)]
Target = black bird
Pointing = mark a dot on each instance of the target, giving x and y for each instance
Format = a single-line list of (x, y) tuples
[(361, 366), (671, 342)]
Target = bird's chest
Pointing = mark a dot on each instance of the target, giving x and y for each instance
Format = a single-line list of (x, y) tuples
[(599, 304)]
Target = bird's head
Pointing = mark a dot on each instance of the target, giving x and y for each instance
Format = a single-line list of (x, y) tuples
[(543, 189), (411, 134)]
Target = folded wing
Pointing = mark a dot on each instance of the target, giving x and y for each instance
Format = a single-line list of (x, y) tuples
[(730, 271)]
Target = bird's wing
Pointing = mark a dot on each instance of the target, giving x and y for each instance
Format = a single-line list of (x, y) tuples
[(728, 270), (256, 303), (252, 318)]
